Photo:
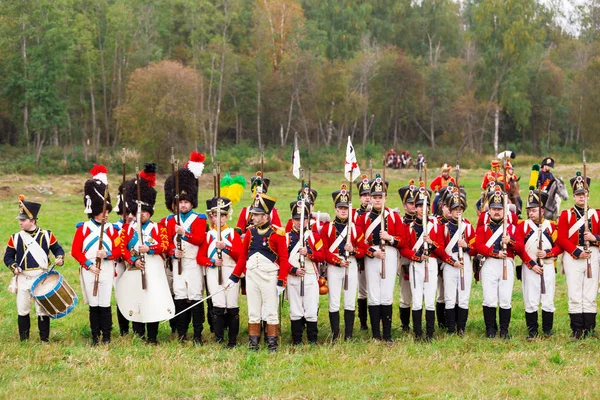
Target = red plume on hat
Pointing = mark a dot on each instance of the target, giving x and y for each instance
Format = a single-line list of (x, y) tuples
[(149, 174), (100, 173), (196, 163)]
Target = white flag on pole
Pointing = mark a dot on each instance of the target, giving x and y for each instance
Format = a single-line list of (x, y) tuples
[(351, 166), (296, 159)]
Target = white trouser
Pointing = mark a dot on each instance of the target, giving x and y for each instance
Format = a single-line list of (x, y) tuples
[(189, 284), (105, 284), (362, 283), (169, 273), (24, 281), (225, 299), (405, 292), (421, 289), (305, 306), (119, 269), (495, 289), (441, 298), (582, 290), (261, 294), (452, 292), (335, 281), (532, 292), (381, 291)]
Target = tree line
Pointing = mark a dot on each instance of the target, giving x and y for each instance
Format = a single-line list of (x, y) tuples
[(100, 74)]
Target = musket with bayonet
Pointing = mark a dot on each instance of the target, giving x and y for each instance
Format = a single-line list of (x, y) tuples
[(100, 243), (300, 205), (586, 225), (424, 197), (349, 227), (461, 255), (175, 166), (219, 235), (383, 218), (140, 232)]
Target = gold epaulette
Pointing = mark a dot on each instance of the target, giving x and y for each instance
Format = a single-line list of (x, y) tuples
[(278, 230)]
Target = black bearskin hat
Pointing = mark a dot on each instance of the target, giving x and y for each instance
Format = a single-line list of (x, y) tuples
[(147, 191), (93, 191)]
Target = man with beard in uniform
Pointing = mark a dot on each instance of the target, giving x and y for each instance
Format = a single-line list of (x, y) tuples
[(264, 261)]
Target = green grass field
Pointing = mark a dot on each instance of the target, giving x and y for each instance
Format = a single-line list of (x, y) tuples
[(450, 367)]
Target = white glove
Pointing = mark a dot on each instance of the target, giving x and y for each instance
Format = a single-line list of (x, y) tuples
[(229, 284), (280, 290)]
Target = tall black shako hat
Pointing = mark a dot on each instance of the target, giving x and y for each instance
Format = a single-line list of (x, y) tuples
[(259, 184), (312, 194), (578, 185), (28, 209), (455, 198), (378, 186), (296, 207), (263, 204), (147, 191), (341, 198), (364, 186), (495, 198), (93, 191), (407, 193), (188, 181), (222, 203), (548, 161), (422, 194), (533, 199)]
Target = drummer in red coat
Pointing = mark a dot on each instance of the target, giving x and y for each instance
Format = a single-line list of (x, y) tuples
[(26, 256), (86, 251), (381, 257), (264, 260)]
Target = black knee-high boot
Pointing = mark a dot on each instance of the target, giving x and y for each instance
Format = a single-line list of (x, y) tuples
[(24, 326), (461, 320), (405, 319), (576, 325), (182, 320), (386, 321), (312, 332), (531, 319), (348, 324), (297, 329), (198, 322), (450, 320), (95, 325), (106, 323), (547, 322), (429, 324), (375, 314), (489, 317), (417, 316), (139, 328), (233, 322), (440, 310), (505, 314), (209, 310), (124, 323), (589, 324), (152, 332), (362, 314), (44, 328), (334, 320), (218, 324)]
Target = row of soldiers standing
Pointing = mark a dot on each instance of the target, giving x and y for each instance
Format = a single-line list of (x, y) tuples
[(363, 249)]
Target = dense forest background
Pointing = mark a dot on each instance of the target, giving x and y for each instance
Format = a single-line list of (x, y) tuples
[(87, 77)]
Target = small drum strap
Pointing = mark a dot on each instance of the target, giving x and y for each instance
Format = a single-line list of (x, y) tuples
[(34, 248)]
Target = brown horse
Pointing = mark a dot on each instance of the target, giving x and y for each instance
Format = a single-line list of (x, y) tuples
[(514, 195)]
